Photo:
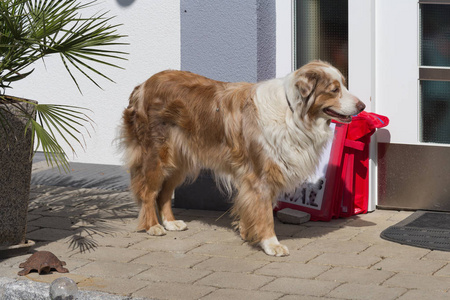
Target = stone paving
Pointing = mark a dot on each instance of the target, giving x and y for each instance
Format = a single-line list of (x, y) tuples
[(93, 230)]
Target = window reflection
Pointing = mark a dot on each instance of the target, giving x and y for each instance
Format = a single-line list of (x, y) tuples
[(435, 35), (322, 32), (435, 52)]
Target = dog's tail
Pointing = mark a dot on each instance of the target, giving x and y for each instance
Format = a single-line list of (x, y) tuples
[(129, 132)]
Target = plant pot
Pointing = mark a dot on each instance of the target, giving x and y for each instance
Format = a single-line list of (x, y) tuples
[(15, 175)]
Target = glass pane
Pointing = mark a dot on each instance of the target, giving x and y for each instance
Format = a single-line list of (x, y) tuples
[(435, 107), (435, 35), (322, 32)]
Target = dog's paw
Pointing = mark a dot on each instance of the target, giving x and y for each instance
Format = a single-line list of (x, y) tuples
[(272, 247), (156, 230), (175, 225)]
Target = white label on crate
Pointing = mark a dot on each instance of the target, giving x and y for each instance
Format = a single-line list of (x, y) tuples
[(310, 193)]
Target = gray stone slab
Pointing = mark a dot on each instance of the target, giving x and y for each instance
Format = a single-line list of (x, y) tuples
[(233, 280), (227, 294), (300, 286), (292, 216), (172, 275), (366, 292), (174, 291), (292, 269), (26, 289)]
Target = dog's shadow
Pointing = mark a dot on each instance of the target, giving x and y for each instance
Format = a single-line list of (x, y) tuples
[(221, 220)]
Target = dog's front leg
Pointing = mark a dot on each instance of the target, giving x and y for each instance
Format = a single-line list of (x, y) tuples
[(253, 206), (269, 242)]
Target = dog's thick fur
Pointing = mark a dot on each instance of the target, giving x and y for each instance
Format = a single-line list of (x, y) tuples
[(262, 138)]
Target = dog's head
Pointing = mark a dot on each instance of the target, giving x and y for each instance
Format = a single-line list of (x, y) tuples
[(318, 90)]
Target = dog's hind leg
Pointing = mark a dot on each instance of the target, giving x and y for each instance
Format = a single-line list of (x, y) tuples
[(146, 187), (165, 203)]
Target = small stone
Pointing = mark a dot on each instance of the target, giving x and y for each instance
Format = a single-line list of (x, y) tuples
[(292, 216), (63, 288)]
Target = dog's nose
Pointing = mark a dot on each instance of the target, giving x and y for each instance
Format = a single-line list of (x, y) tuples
[(360, 106)]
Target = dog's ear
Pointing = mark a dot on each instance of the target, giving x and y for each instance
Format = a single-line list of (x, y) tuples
[(306, 84)]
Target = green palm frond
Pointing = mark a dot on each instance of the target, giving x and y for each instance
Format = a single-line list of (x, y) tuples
[(58, 120), (31, 30)]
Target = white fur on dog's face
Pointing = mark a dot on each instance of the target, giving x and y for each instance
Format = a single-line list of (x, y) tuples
[(323, 94), (348, 105)]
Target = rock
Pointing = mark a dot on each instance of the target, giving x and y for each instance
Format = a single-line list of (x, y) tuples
[(292, 216)]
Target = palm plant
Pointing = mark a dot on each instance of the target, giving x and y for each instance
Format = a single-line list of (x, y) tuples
[(32, 30)]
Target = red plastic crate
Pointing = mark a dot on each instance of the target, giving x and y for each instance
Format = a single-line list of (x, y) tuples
[(340, 188)]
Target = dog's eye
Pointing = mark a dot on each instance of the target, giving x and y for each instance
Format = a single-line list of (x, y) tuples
[(335, 90)]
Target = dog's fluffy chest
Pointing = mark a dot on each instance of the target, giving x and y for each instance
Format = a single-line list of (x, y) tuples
[(295, 146), (295, 152)]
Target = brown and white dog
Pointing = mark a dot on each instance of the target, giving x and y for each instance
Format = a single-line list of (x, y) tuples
[(262, 139)]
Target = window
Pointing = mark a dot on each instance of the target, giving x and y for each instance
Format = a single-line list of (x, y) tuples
[(321, 32), (434, 72)]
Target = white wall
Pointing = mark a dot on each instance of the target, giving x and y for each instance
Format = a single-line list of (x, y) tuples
[(397, 69), (153, 29), (361, 51), (284, 38)]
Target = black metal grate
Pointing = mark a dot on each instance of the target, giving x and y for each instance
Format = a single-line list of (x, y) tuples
[(430, 230)]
